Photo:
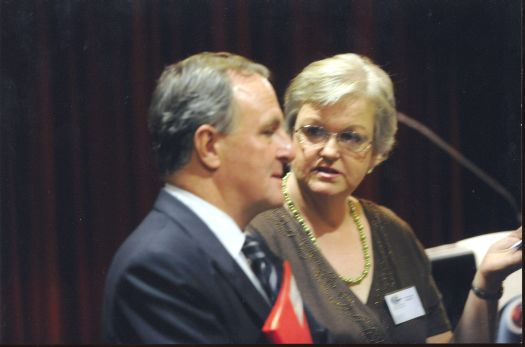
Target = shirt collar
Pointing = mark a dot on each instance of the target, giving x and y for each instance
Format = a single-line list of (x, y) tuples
[(220, 223)]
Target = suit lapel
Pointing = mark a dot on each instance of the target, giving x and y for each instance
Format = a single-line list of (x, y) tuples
[(208, 242)]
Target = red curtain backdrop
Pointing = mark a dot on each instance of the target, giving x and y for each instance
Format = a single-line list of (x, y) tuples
[(76, 80)]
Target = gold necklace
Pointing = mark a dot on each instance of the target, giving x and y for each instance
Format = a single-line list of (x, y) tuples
[(355, 217)]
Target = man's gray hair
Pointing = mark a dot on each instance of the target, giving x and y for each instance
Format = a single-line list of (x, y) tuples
[(190, 93)]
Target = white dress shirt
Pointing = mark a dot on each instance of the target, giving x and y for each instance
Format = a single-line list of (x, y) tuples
[(222, 225)]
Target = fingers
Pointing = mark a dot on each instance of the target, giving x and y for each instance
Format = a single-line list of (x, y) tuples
[(517, 245), (518, 233)]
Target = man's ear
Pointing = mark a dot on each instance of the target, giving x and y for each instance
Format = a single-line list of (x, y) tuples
[(205, 140)]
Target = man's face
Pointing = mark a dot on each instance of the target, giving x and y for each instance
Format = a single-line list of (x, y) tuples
[(254, 153)]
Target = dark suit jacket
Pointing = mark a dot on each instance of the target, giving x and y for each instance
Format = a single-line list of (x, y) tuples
[(172, 281)]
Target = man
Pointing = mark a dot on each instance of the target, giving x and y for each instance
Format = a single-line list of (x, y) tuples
[(181, 276)]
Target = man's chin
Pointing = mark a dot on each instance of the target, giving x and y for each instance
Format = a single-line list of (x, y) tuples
[(273, 202)]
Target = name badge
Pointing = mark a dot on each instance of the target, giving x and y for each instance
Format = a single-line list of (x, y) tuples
[(404, 305)]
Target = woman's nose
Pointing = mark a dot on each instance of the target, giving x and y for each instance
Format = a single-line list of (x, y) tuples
[(330, 147)]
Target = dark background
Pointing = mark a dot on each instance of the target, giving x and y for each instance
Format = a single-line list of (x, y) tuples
[(76, 80)]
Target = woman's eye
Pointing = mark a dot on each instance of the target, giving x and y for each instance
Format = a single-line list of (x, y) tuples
[(315, 131), (350, 136)]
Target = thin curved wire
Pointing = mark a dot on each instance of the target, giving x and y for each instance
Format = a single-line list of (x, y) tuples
[(461, 159)]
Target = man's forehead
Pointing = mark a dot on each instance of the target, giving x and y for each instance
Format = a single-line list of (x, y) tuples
[(243, 84)]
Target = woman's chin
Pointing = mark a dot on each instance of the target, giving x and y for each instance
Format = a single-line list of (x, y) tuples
[(326, 188)]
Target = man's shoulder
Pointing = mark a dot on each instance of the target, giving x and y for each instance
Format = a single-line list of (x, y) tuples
[(167, 225), (157, 239), (157, 228)]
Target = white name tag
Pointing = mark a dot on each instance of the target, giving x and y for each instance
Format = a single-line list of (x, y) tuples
[(404, 305)]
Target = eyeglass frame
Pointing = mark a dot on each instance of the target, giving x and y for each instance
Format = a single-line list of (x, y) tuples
[(328, 135)]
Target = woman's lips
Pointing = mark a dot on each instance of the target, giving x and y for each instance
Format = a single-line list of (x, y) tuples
[(326, 172)]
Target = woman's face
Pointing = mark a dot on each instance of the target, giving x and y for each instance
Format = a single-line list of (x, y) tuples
[(331, 167)]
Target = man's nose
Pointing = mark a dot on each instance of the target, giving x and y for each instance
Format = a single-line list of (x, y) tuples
[(286, 151)]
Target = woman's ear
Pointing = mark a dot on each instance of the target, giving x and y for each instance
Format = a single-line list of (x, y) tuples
[(205, 140), (376, 160)]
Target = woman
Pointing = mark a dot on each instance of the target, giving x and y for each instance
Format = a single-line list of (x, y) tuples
[(360, 268)]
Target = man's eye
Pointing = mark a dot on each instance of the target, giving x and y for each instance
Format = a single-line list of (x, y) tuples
[(269, 132)]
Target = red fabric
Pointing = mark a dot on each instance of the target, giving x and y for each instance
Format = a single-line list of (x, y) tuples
[(286, 323)]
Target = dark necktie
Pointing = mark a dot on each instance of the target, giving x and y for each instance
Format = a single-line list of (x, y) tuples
[(261, 266)]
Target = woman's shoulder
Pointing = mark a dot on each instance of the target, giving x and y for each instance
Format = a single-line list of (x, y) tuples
[(381, 211), (274, 223), (268, 219), (392, 229), (275, 226), (382, 217)]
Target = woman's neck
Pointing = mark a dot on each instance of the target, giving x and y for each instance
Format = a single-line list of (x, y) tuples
[(323, 212)]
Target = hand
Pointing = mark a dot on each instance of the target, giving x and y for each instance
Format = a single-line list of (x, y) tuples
[(500, 261)]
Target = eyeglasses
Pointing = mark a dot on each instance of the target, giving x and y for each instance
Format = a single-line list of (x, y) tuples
[(351, 141)]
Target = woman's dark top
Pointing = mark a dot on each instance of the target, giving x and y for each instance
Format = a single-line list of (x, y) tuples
[(399, 262)]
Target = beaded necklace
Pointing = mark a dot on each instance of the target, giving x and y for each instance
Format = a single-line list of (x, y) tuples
[(355, 217)]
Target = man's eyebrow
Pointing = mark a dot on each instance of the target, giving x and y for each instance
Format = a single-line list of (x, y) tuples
[(276, 119)]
